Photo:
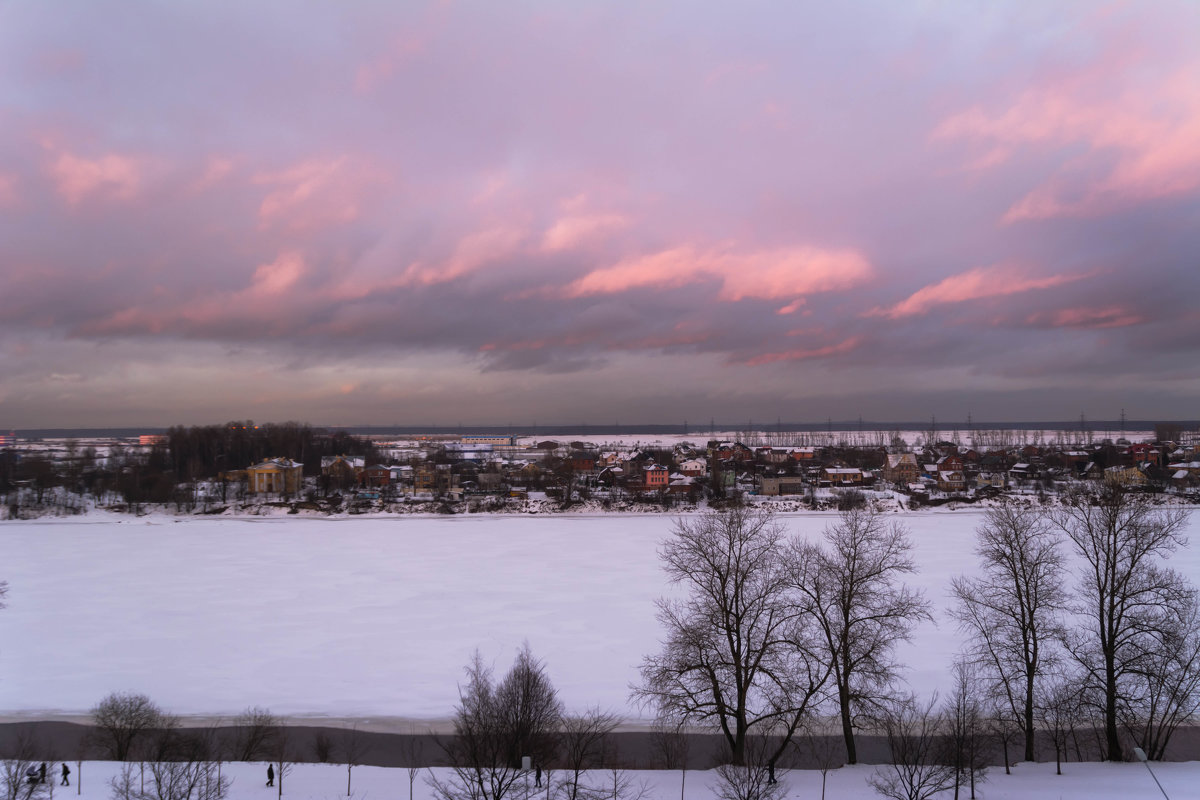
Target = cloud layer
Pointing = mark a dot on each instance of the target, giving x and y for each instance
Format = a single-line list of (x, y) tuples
[(474, 212)]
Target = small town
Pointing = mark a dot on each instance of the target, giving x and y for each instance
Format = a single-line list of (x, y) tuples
[(200, 470)]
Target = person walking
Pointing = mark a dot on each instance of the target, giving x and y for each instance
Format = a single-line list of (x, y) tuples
[(270, 775), (66, 781)]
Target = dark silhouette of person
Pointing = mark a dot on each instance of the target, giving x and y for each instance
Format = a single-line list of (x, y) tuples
[(270, 775), (770, 772), (66, 781), (42, 773), (537, 776)]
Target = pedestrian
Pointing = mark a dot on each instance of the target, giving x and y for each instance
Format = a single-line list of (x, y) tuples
[(66, 781), (42, 773), (538, 776), (270, 775)]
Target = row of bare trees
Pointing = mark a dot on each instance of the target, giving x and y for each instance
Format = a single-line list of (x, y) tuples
[(770, 629), (513, 730), (164, 761), (1121, 647), (771, 633)]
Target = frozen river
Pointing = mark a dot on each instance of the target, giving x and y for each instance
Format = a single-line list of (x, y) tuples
[(361, 617)]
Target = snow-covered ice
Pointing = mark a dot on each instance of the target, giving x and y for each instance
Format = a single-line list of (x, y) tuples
[(365, 616), (1027, 782)]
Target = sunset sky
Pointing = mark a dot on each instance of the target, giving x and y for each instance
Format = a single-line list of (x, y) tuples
[(493, 212)]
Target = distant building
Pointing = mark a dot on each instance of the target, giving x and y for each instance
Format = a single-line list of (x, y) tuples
[(151, 439), (275, 476), (500, 440)]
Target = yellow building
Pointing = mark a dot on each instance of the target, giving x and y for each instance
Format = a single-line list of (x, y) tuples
[(275, 476)]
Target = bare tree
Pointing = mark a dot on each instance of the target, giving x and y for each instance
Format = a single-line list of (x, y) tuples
[(1059, 713), (824, 749), (530, 708), (965, 729), (183, 768), (1004, 727), (737, 655), (253, 731), (496, 724), (20, 770), (1127, 596), (671, 744), (583, 743), (1012, 612), (322, 747), (282, 754), (413, 750), (1162, 691), (914, 772), (121, 720), (757, 778), (354, 748), (862, 609)]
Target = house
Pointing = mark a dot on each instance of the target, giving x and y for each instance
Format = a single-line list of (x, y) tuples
[(341, 470), (901, 468), (694, 468), (735, 451), (275, 476), (582, 461), (1125, 476), (781, 485), (655, 477), (951, 480), (842, 476), (1022, 472), (681, 484), (375, 476), (993, 480)]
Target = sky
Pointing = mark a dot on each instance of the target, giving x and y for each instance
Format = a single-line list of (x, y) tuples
[(433, 213)]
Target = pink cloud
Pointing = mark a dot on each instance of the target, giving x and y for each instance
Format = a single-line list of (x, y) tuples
[(403, 48), (278, 276), (114, 175), (570, 232), (808, 354), (1084, 317), (771, 274), (273, 293), (314, 194), (8, 191), (473, 252), (1151, 131), (982, 282), (216, 169)]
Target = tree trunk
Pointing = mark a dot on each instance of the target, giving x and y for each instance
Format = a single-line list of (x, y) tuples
[(1029, 730), (847, 730), (1110, 711)]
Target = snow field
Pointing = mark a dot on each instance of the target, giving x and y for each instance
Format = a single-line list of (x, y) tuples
[(371, 617), (1028, 782)]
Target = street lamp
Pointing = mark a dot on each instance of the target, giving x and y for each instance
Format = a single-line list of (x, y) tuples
[(1141, 754)]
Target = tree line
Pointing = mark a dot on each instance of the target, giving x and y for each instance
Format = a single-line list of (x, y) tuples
[(166, 472), (1075, 627)]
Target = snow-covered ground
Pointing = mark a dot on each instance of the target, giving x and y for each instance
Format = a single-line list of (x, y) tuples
[(1027, 782), (365, 617)]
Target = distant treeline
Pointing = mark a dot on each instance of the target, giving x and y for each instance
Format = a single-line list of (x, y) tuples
[(205, 451)]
